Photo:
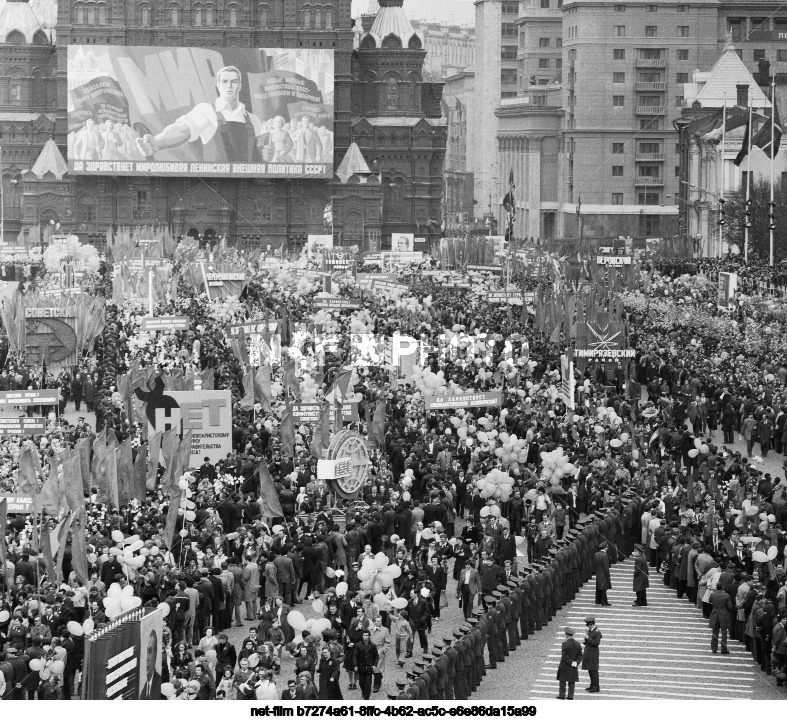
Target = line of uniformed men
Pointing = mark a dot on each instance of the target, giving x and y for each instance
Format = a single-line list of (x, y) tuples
[(525, 604)]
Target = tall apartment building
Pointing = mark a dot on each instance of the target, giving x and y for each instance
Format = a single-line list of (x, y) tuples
[(496, 77), (540, 57), (626, 64)]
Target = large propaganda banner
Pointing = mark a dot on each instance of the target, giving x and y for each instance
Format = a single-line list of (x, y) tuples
[(208, 414), (200, 112)]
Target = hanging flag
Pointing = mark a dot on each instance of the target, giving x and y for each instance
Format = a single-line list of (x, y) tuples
[(322, 432), (154, 454), (327, 214), (73, 487), (269, 499), (169, 447), (208, 379), (171, 524), (509, 205), (247, 402), (29, 468), (291, 381), (79, 546), (262, 386), (287, 432), (113, 495), (579, 208), (744, 151), (377, 435), (765, 140), (125, 472), (50, 491), (83, 449), (139, 475)]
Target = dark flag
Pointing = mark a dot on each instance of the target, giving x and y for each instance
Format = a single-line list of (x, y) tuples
[(744, 151), (509, 205), (763, 138)]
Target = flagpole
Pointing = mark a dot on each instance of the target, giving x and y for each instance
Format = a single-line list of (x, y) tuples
[(773, 153), (721, 166), (748, 189)]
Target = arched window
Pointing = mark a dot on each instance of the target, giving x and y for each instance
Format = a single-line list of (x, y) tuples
[(91, 13), (210, 16), (307, 17), (144, 15), (392, 94), (196, 16), (263, 16), (232, 20), (14, 76), (15, 38), (79, 14), (318, 17), (40, 38), (327, 17), (174, 15), (102, 13)]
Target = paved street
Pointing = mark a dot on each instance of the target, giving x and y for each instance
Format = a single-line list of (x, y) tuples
[(658, 652)]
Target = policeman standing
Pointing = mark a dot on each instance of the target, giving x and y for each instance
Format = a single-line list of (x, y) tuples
[(590, 657)]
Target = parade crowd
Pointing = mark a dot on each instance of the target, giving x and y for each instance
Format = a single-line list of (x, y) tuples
[(502, 511)]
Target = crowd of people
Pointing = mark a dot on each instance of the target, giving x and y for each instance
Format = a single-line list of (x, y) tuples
[(502, 511)]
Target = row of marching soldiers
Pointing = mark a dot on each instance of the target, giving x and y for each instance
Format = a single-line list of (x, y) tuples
[(514, 611)]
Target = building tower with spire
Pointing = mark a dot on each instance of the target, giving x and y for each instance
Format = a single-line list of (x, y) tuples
[(397, 127)]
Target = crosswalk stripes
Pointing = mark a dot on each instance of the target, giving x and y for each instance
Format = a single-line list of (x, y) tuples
[(661, 651)]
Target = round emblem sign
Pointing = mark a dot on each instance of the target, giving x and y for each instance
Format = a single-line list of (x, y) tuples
[(352, 445)]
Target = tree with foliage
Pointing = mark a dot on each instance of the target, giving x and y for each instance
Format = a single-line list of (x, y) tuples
[(759, 240)]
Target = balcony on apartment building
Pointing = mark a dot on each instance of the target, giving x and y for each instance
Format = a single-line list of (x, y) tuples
[(651, 62), (649, 157), (648, 182), (651, 87), (650, 110)]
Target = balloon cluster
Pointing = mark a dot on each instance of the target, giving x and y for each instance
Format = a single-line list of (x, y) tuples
[(556, 466), (130, 552), (119, 600), (314, 626), (376, 574), (427, 382), (513, 449), (699, 447), (497, 485)]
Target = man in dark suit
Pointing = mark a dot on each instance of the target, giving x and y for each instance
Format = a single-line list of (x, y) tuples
[(721, 605), (468, 587), (641, 576), (568, 668), (151, 687), (603, 579)]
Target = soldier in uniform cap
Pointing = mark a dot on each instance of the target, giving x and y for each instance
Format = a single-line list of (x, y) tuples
[(440, 665), (463, 664), (401, 688), (568, 668), (421, 681), (450, 655), (504, 620), (431, 673), (492, 641), (590, 656), (413, 689)]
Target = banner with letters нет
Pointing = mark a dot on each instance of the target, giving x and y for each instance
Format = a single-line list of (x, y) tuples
[(208, 414), (200, 112)]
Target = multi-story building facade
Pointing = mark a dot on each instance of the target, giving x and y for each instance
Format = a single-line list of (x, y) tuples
[(449, 48), (458, 100), (496, 78), (599, 85)]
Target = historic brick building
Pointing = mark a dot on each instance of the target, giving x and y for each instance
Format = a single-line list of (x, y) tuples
[(397, 124), (34, 37)]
